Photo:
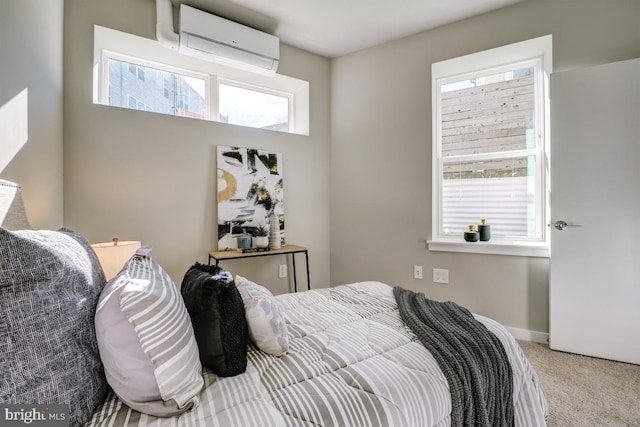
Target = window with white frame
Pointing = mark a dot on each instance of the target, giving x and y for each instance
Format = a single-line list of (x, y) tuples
[(163, 90), (256, 107), (137, 73), (490, 145)]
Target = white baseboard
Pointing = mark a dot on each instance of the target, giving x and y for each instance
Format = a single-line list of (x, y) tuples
[(527, 335)]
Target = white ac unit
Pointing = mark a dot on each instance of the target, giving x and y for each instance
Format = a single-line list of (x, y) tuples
[(217, 39)]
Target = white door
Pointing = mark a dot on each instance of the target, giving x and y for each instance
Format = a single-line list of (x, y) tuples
[(595, 183)]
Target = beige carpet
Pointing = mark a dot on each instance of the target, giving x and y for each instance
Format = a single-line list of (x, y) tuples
[(586, 391)]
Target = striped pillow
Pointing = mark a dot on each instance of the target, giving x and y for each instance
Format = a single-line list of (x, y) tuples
[(146, 341)]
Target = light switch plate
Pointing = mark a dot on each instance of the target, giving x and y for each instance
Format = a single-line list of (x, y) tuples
[(417, 272)]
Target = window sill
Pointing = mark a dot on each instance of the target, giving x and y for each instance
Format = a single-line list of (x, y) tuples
[(499, 247)]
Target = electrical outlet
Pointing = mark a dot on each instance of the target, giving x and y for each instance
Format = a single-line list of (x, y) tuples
[(283, 271), (440, 275), (417, 272)]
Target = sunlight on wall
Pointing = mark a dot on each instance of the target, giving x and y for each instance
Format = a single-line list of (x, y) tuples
[(14, 130)]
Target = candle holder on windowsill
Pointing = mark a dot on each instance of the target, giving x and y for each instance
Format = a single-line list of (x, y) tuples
[(484, 230), (471, 235)]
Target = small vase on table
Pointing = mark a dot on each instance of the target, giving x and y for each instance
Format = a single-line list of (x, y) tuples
[(274, 232)]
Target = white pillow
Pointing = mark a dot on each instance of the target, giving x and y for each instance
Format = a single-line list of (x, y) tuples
[(267, 326)]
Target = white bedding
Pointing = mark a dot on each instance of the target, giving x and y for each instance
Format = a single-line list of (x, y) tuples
[(351, 362)]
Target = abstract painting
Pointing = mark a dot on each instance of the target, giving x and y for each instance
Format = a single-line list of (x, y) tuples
[(250, 190)]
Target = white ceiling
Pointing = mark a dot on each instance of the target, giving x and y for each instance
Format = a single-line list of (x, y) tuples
[(336, 27)]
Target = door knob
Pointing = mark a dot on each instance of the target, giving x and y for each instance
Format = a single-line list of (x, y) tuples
[(561, 225)]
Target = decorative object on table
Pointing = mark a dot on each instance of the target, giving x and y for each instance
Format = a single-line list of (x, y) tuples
[(471, 235), (244, 240), (275, 241), (250, 190), (261, 237), (252, 250), (12, 213), (114, 254), (484, 230)]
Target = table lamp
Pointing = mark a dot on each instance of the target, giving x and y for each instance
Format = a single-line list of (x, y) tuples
[(113, 255), (12, 213)]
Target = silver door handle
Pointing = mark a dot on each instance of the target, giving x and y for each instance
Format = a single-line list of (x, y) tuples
[(561, 225)]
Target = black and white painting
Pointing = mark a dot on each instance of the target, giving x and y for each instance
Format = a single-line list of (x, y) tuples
[(250, 191)]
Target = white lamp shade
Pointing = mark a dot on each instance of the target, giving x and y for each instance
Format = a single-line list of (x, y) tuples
[(12, 213), (112, 256)]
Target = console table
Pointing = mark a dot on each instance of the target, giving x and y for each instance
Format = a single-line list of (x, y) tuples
[(285, 250)]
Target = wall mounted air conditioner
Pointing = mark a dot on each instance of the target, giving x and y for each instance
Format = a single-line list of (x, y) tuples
[(217, 39)]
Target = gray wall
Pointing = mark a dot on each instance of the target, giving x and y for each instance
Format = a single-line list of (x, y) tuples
[(381, 152), (31, 59), (152, 177)]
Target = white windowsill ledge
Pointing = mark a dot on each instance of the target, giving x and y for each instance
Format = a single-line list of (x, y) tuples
[(492, 247)]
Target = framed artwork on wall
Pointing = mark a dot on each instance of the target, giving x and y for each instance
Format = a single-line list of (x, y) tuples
[(250, 192)]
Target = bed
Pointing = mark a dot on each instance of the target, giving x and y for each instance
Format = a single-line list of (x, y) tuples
[(351, 362), (351, 359)]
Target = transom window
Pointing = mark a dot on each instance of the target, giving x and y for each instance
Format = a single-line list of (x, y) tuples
[(244, 105), (489, 148), (162, 91), (137, 73)]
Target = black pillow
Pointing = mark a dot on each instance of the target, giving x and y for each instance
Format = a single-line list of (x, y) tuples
[(217, 314), (50, 282)]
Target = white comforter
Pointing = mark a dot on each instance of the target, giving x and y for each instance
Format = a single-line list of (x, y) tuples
[(352, 362)]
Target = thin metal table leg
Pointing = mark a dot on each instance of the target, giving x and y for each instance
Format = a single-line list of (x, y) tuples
[(295, 278), (306, 255)]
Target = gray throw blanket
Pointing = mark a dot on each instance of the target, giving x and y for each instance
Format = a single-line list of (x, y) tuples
[(471, 357)]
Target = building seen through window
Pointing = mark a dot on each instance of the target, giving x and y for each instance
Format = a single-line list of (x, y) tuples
[(149, 89)]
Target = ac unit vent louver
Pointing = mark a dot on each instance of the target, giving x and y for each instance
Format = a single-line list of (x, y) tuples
[(216, 39)]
